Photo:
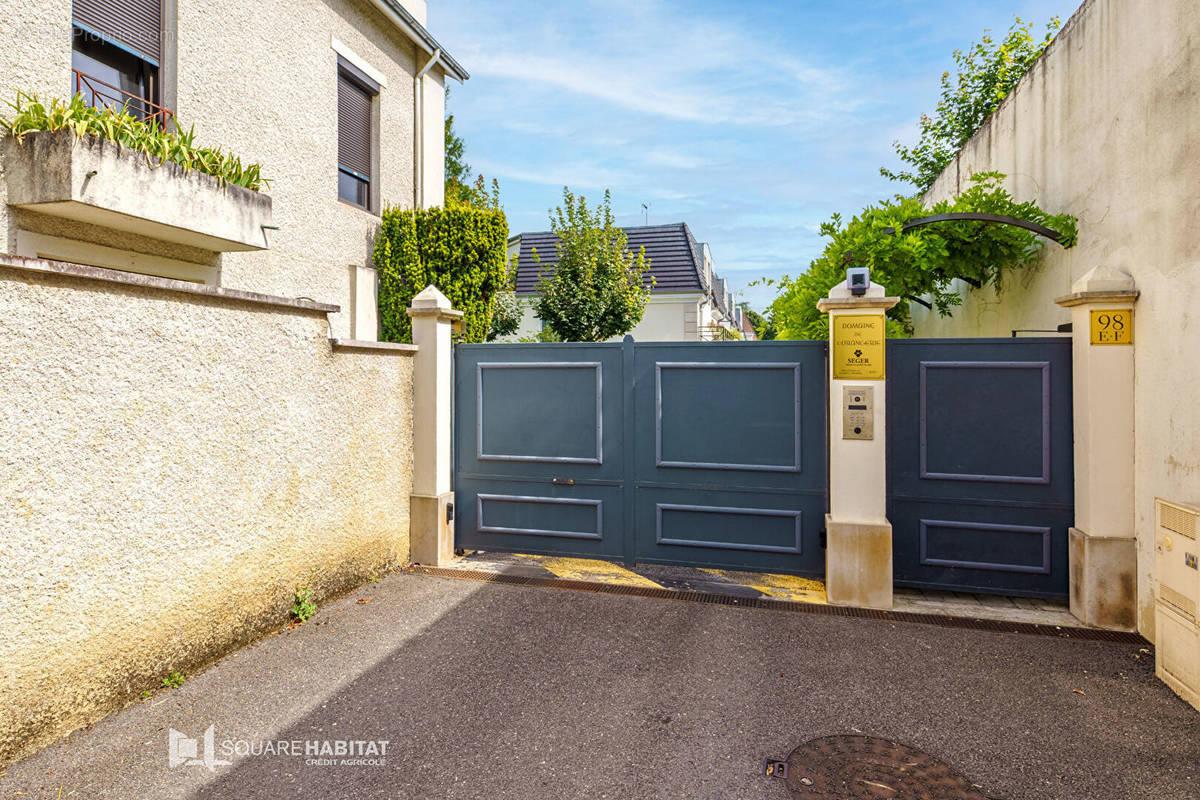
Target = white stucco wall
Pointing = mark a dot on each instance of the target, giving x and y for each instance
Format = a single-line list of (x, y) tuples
[(1106, 126), (260, 79), (174, 467)]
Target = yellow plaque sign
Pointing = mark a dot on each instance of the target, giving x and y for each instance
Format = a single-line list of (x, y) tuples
[(1112, 326), (858, 346)]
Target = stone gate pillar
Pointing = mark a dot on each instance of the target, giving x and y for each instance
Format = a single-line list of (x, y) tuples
[(431, 531), (1103, 544), (858, 555)]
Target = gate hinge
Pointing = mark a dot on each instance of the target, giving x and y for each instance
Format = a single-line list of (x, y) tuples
[(563, 481)]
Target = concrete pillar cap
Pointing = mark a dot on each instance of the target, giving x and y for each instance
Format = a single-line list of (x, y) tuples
[(1104, 278), (430, 302), (841, 299), (1102, 284)]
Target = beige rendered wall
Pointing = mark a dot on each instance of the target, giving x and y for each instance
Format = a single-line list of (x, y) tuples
[(1106, 127), (260, 80), (174, 467)]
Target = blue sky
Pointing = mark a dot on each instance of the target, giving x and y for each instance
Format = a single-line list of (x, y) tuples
[(752, 121)]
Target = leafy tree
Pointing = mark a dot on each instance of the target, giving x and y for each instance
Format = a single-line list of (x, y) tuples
[(920, 263), (507, 309), (459, 188), (595, 291), (764, 327), (458, 171), (987, 72)]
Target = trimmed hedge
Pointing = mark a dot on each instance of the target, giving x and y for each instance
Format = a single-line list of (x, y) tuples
[(460, 250)]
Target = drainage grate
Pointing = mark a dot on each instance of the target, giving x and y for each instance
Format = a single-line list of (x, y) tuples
[(712, 598), (867, 768)]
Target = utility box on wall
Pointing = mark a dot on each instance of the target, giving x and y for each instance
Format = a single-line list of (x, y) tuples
[(1177, 592)]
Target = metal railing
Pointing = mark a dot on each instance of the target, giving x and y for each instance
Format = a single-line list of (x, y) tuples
[(97, 93), (718, 333)]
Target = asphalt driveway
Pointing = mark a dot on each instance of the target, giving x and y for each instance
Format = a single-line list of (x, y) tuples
[(486, 691)]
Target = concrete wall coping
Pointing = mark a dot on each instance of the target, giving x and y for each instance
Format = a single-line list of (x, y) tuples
[(382, 348), (1080, 298), (47, 267), (853, 303)]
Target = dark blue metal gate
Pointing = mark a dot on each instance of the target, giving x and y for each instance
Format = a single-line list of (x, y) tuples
[(706, 454), (980, 464)]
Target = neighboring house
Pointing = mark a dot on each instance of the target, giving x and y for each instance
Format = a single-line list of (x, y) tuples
[(688, 301), (191, 430), (745, 326), (325, 95)]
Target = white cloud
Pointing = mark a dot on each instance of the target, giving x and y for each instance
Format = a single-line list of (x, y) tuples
[(577, 174), (654, 59)]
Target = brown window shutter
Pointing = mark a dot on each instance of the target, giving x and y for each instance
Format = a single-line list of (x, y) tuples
[(354, 127), (134, 24)]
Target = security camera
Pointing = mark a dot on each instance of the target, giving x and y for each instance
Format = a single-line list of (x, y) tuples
[(858, 279)]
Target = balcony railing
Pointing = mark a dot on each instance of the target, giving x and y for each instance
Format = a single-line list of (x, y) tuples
[(717, 333), (98, 94)]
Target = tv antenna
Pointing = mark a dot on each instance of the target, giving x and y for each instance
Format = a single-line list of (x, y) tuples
[(646, 212)]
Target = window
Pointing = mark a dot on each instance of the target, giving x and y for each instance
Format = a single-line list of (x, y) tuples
[(356, 124), (115, 54)]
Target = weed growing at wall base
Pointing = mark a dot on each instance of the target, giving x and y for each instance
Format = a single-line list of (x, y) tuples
[(173, 680), (304, 606)]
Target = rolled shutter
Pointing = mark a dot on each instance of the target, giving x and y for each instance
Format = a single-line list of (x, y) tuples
[(133, 24), (354, 127)]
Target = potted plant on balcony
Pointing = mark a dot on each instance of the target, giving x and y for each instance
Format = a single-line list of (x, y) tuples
[(105, 166)]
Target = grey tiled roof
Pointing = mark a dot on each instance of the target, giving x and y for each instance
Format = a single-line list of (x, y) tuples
[(674, 254)]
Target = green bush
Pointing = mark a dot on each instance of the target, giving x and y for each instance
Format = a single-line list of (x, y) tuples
[(461, 250), (919, 265), (76, 116)]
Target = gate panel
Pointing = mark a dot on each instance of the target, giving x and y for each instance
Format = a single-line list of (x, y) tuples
[(707, 454), (538, 448), (731, 464), (980, 483)]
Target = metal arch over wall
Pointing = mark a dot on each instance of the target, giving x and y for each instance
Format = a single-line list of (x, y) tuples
[(979, 216), (704, 454)]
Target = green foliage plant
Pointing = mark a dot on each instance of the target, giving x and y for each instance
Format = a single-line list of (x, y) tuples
[(919, 265), (31, 115), (596, 290), (303, 606), (461, 249), (507, 308), (458, 171), (986, 73), (173, 680), (459, 189)]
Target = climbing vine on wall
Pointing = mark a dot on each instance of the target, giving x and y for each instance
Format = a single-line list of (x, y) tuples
[(918, 265), (986, 73)]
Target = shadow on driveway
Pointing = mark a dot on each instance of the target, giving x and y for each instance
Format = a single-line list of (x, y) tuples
[(530, 693)]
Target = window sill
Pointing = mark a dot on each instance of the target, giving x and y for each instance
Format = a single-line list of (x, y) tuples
[(357, 207)]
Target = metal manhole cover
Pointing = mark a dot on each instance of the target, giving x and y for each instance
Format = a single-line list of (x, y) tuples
[(866, 768)]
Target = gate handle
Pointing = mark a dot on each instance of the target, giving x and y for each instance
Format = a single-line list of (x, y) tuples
[(563, 481)]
